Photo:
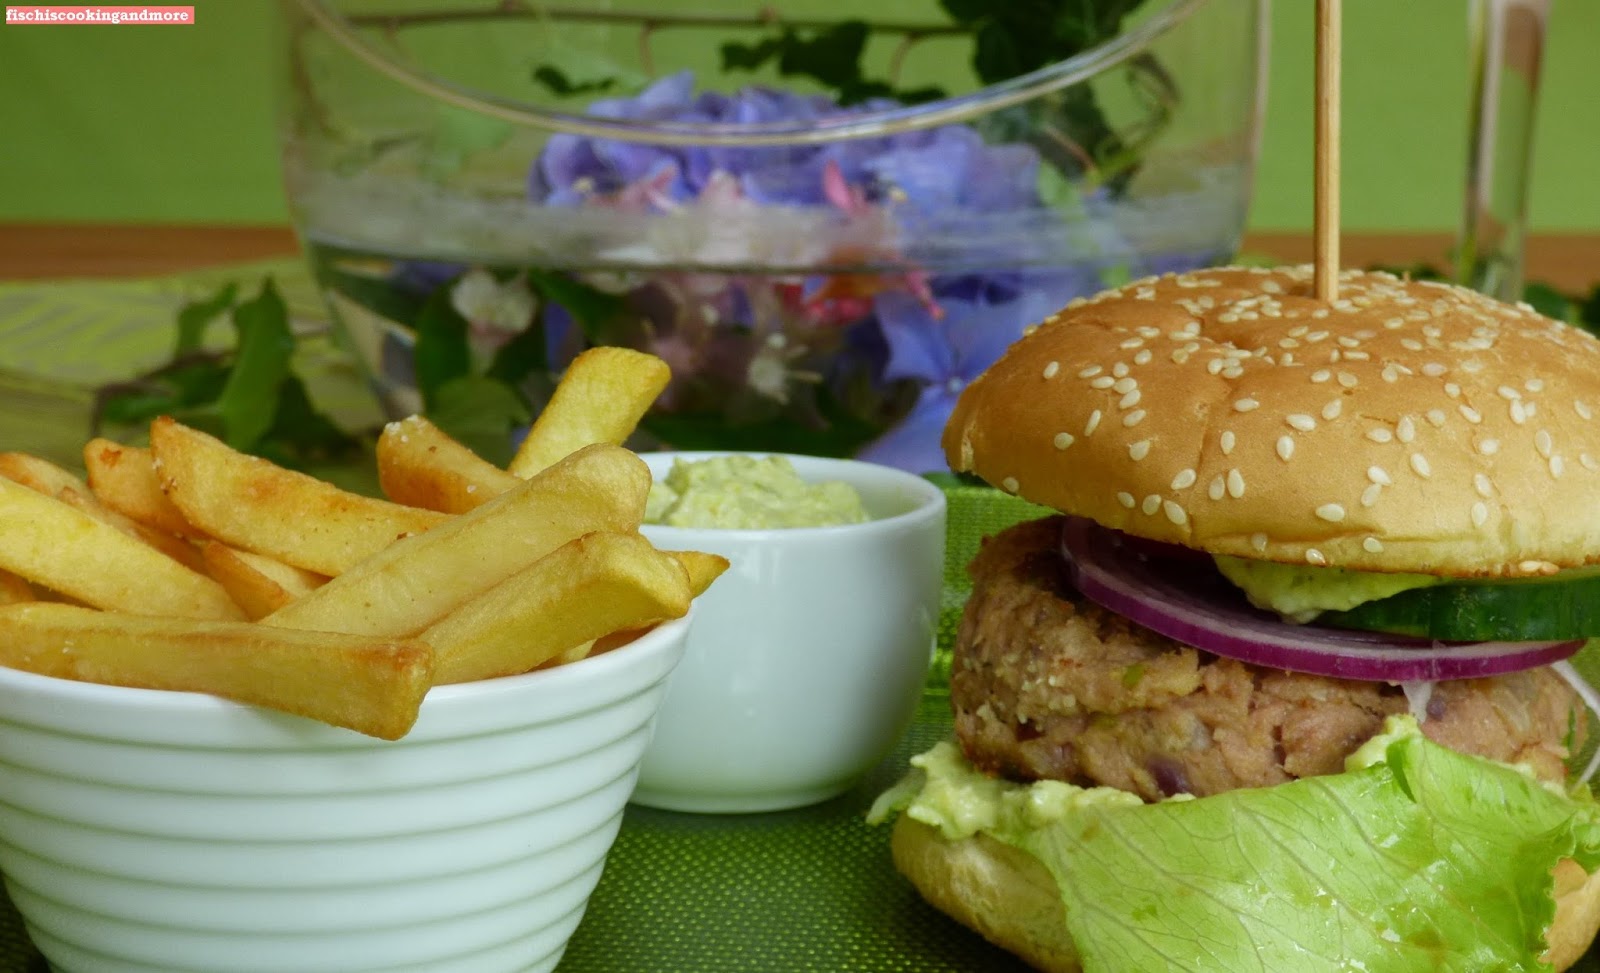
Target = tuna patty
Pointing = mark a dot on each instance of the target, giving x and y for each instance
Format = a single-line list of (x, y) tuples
[(1046, 684)]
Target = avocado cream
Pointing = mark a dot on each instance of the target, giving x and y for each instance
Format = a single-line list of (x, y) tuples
[(1301, 591), (748, 492)]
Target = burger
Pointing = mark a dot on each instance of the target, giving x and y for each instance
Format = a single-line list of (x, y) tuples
[(1287, 683)]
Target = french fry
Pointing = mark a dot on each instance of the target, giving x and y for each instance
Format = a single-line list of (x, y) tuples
[(257, 583), (124, 479), (407, 586), (600, 399), (56, 545), (14, 590), (702, 568), (586, 588), (372, 686), (421, 466), (252, 504), (47, 478)]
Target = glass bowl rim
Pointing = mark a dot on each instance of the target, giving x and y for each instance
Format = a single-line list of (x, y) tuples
[(854, 125)]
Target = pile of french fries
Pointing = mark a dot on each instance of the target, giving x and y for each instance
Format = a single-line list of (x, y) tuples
[(190, 566)]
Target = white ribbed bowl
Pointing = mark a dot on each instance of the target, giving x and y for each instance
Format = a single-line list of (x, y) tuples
[(166, 832)]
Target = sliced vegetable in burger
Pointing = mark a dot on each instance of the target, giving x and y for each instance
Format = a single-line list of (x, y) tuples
[(1291, 680)]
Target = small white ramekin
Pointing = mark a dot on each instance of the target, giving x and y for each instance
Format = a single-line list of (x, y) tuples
[(808, 656), (158, 831)]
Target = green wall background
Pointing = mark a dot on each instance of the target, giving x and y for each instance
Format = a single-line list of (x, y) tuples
[(175, 125)]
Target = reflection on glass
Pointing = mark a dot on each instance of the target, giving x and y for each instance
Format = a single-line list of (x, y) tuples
[(1506, 41)]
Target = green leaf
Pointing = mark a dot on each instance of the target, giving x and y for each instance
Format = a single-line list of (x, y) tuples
[(750, 57), (481, 414), (832, 56), (458, 134), (1550, 302), (593, 309), (196, 316), (442, 352), (1422, 860), (249, 400), (520, 357), (557, 81), (299, 433)]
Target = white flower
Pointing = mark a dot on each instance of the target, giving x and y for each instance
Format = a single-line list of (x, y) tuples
[(492, 306)]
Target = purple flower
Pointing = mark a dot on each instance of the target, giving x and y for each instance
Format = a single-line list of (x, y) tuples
[(948, 353), (929, 170)]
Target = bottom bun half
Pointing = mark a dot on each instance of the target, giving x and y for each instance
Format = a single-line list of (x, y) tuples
[(1010, 899)]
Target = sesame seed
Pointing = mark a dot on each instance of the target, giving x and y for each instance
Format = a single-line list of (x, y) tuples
[(1410, 344), (1489, 447), (1331, 512), (1126, 499), (1143, 357), (1235, 483), (1314, 556), (1133, 418), (1369, 496), (1064, 439), (1483, 485), (1470, 414), (1347, 380), (1534, 385), (1093, 423), (1582, 409), (1285, 448), (1009, 484), (1214, 366), (1543, 443), (1103, 382), (1378, 474), (1245, 405), (1405, 430), (1372, 545), (1508, 393), (1090, 372), (1557, 466), (1258, 542), (1184, 480), (1151, 504), (1321, 375), (1419, 465), (1124, 385), (1480, 513), (1519, 412), (1051, 369), (1435, 418), (1331, 411), (1380, 435), (1588, 462), (1301, 421), (1433, 369), (1228, 440), (1217, 488), (1452, 389), (1175, 513), (1139, 450), (1129, 400)]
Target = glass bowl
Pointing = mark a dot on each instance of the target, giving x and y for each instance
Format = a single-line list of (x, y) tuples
[(486, 189)]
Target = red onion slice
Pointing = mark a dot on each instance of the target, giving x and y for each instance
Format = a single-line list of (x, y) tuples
[(1192, 604)]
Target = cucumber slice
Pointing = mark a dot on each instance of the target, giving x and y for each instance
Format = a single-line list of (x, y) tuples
[(1562, 606)]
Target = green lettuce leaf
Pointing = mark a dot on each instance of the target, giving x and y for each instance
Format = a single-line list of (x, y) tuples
[(1416, 858)]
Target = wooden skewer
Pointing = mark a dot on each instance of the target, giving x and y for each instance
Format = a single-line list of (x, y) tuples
[(1326, 217)]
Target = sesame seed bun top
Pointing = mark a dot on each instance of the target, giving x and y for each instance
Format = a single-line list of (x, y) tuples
[(1409, 426)]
